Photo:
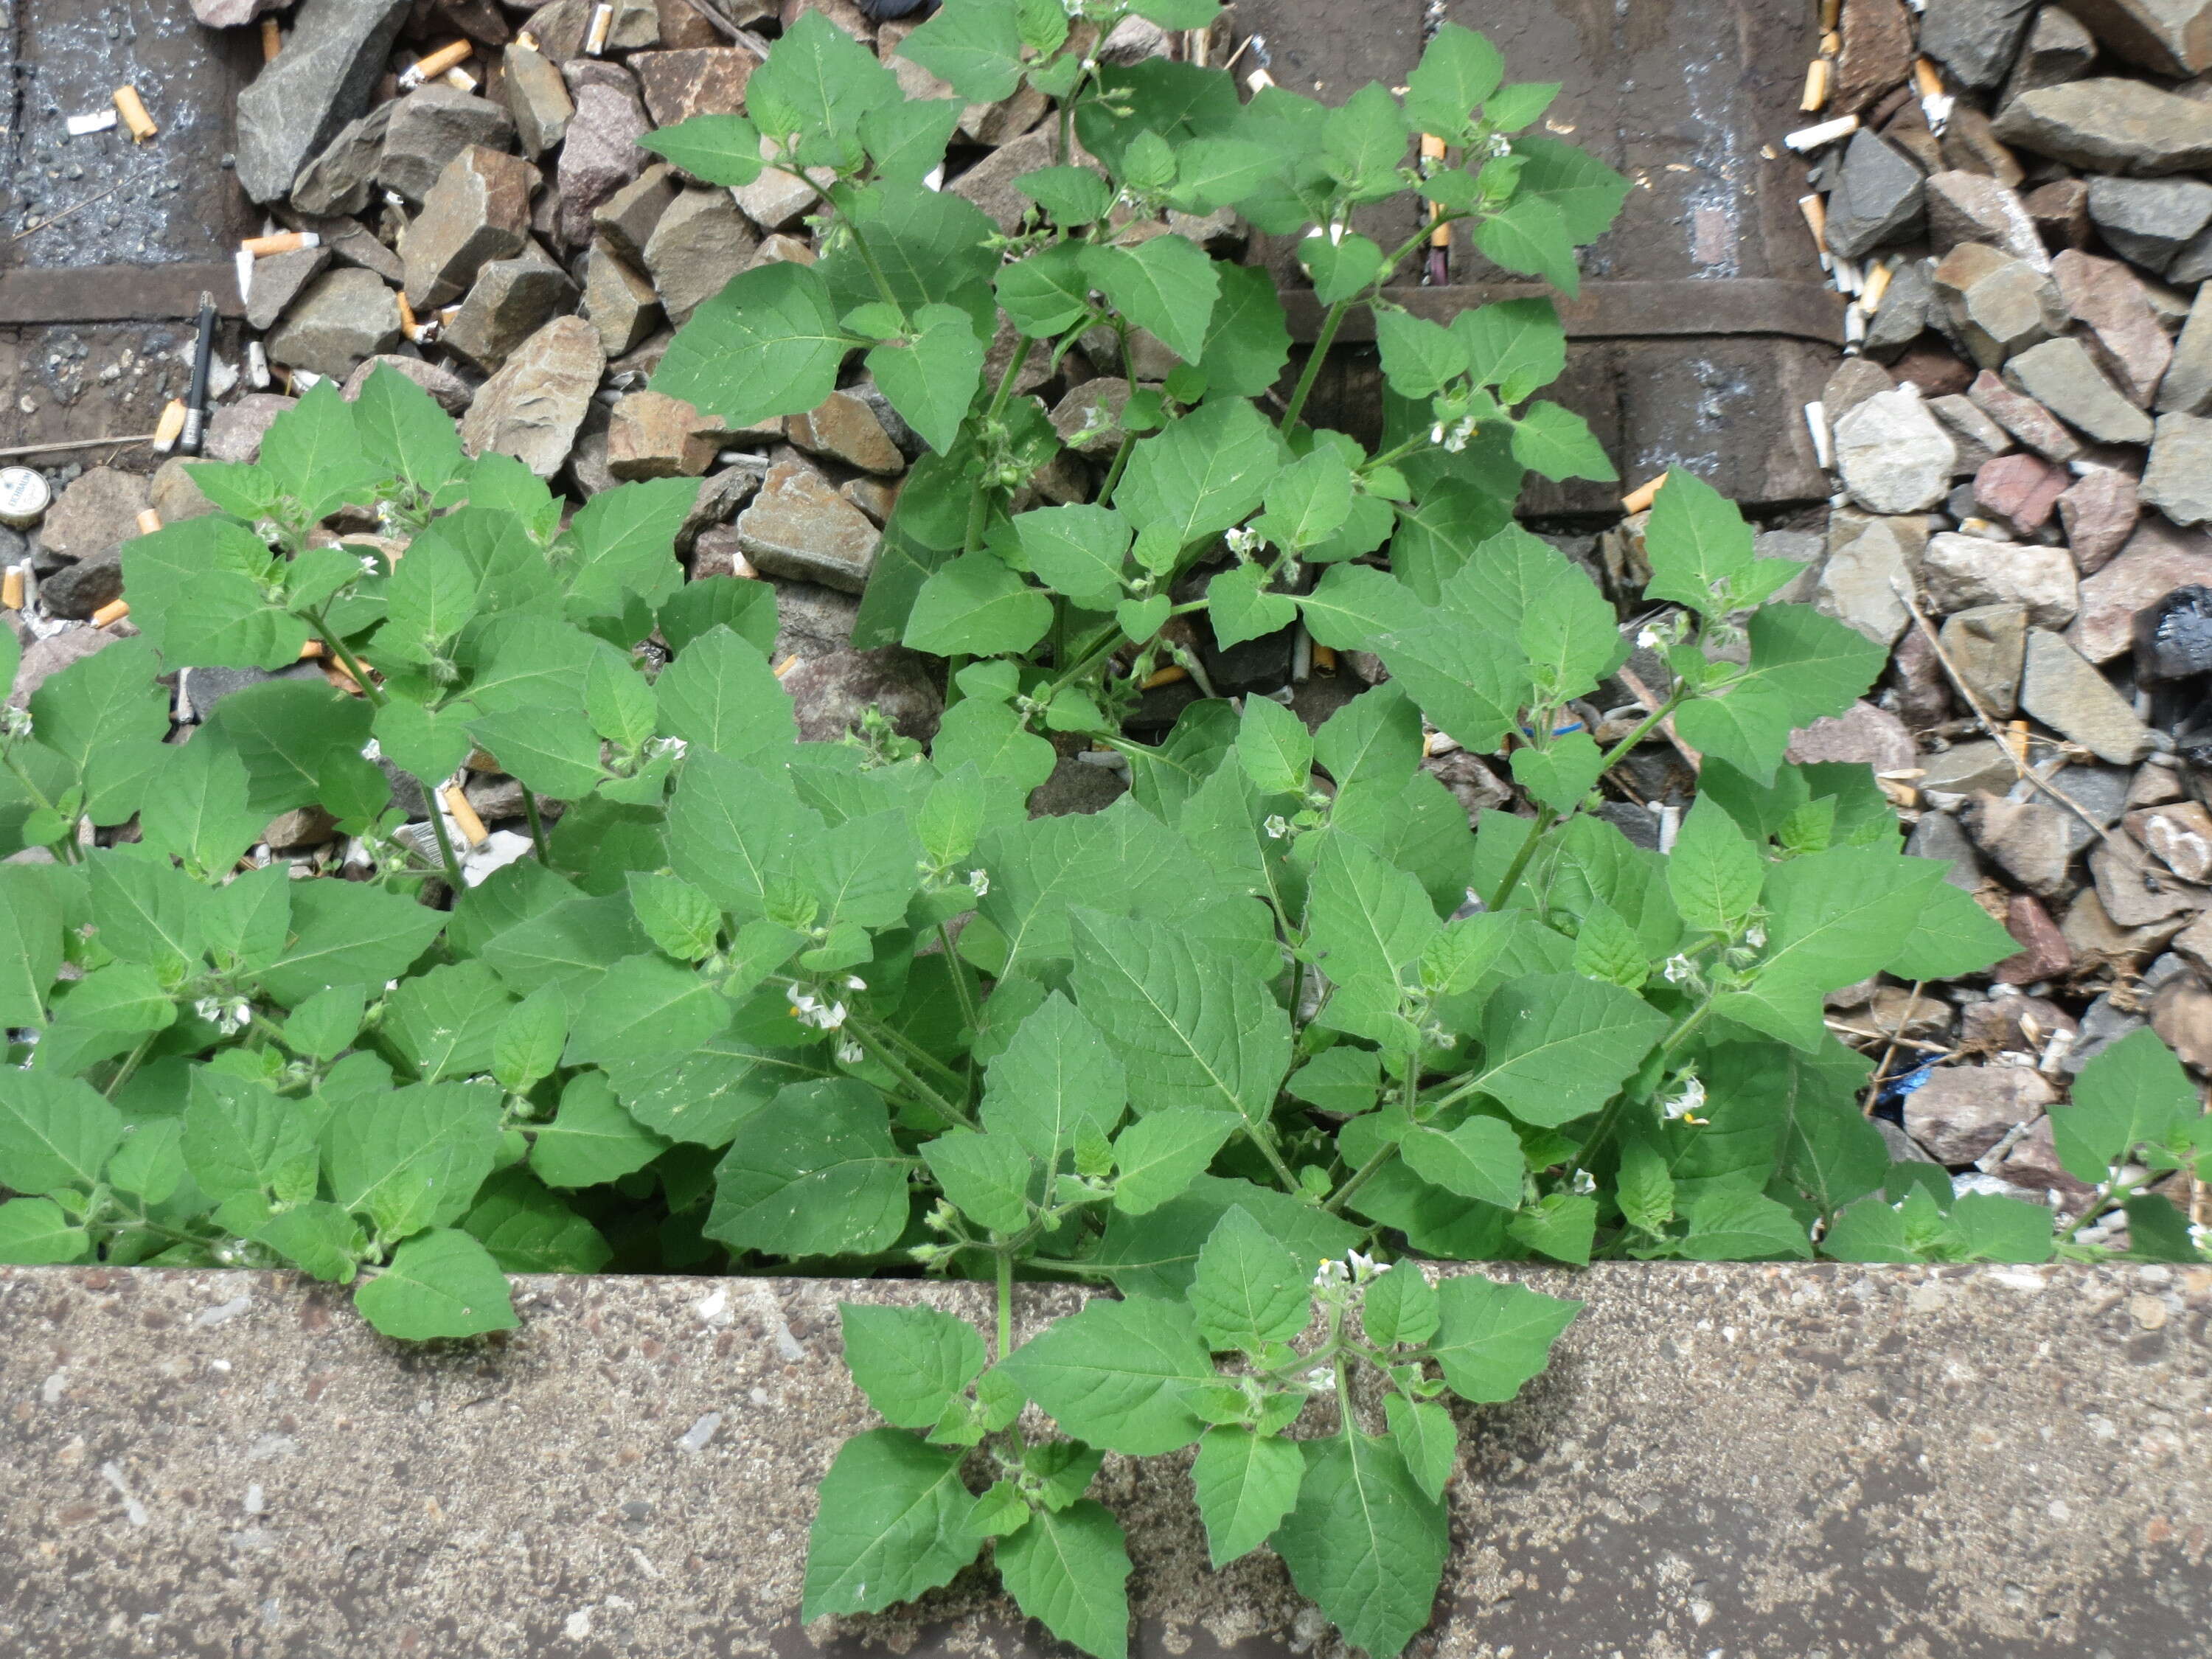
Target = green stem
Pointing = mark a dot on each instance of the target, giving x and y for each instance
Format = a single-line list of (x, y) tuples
[(1284, 1173), (871, 1038), (1307, 376), (2108, 1193), (968, 1012), (1005, 1302), (346, 659), (71, 853), (1545, 817), (130, 1062), (536, 825), (453, 865), (1358, 1178), (1113, 472)]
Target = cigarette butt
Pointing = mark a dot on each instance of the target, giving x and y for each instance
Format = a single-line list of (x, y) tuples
[(11, 588), (284, 241), (148, 521), (1928, 78), (1816, 219), (1831, 44), (1640, 499), (1441, 236), (465, 816), (603, 20), (83, 126), (1876, 285), (257, 365), (1817, 74), (1805, 140), (1324, 659), (1167, 676), (1432, 147), (1816, 424), (447, 57), (113, 611), (272, 39), (311, 650), (170, 427), (527, 40), (407, 323), (459, 79), (1831, 10), (1259, 80), (132, 109), (2016, 739), (786, 665)]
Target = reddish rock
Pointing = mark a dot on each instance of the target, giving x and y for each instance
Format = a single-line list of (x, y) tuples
[(1862, 733), (1960, 1112), (678, 85), (2021, 1024), (2032, 1163), (2181, 1014), (651, 434), (2098, 513), (2026, 419), (846, 430), (2180, 834), (2157, 559), (2124, 335), (2061, 212), (2043, 952), (1932, 365), (599, 153), (2020, 489)]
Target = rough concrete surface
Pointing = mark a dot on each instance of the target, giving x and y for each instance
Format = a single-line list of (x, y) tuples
[(1744, 1460)]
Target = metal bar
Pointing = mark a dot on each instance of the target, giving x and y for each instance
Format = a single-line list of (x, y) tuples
[(115, 294), (1618, 310)]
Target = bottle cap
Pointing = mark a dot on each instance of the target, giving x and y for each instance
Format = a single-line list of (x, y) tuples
[(24, 497)]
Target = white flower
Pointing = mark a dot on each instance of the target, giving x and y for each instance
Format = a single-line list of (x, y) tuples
[(669, 748), (1584, 1181), (1321, 1377), (810, 1009), (1277, 826), (1244, 541), (979, 882), (1684, 1105), (1679, 970), (1436, 433), (1331, 1273), (1456, 437), (1647, 639), (2200, 1236), (849, 1053), (372, 752), (368, 565), (1500, 146), (854, 982), (228, 1017), (16, 723)]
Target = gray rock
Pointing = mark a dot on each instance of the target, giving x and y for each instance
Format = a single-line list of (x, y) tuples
[(1998, 305), (700, 242), (2135, 892), (1894, 456), (511, 301), (235, 429), (2157, 559), (1961, 1111), (451, 391), (232, 13), (2180, 834), (277, 281), (351, 244), (1870, 561), (44, 658), (2097, 514), (536, 97), (990, 183), (799, 526), (1862, 735), (2032, 840), (1965, 572), (348, 315), (2061, 688), (531, 407), (2179, 480), (478, 211), (1855, 380), (2058, 49), (172, 493), (98, 512), (1902, 317), (75, 590), (2166, 37), (1979, 438), (2187, 387), (625, 220), (1877, 198), (2193, 262), (1966, 768), (1972, 207), (832, 685), (620, 302), (1937, 836), (1976, 39), (598, 154), (1080, 429), (2108, 125), (2061, 376), (1986, 643), (341, 178), (2147, 220), (777, 200), (2125, 337), (2025, 418), (701, 81), (322, 79), (845, 430), (431, 125)]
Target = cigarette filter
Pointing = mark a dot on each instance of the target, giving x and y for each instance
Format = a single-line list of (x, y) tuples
[(132, 109)]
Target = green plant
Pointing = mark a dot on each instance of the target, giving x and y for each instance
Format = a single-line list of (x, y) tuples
[(740, 1001)]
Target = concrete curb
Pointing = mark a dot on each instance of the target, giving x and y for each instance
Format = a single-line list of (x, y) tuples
[(1737, 1461)]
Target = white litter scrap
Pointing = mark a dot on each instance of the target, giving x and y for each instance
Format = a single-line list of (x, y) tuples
[(83, 126), (1806, 140)]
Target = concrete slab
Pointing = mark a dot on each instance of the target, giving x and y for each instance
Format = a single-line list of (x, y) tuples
[(1747, 1461)]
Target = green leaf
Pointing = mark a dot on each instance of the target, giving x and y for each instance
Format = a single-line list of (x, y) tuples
[(1055, 1078), (1493, 1337), (1714, 873), (644, 1008), (1248, 341), (986, 1177), (1205, 473), (974, 605), (1556, 1047), (625, 543), (931, 379), (1274, 747), (239, 1137), (818, 84), (907, 140), (35, 1233), (1240, 607), (767, 344), (1364, 1543), (1353, 606), (1530, 235), (317, 1237), (816, 1174), (30, 944), (1458, 71), (1363, 144), (548, 749), (1341, 266), (976, 45), (442, 1023), (55, 1133), (892, 1522), (429, 743), (912, 1363), (1046, 294), (1114, 1374), (1401, 1306), (1951, 937), (346, 933), (403, 430), (196, 595), (1698, 544), (1557, 442), (1079, 550), (412, 1158), (1068, 1570), (720, 693), (529, 1230), (1739, 1226), (1561, 1225), (1426, 1438), (527, 1043), (1245, 1484), (124, 997), (1516, 345), (1194, 1029), (1419, 356), (441, 1284), (592, 1139), (1309, 500), (715, 149), (1585, 192), (676, 915), (1166, 286), (197, 811), (324, 1025), (746, 607), (1249, 1290), (1804, 667), (1480, 1159), (285, 730), (1158, 1157), (1073, 196), (1561, 776), (2132, 1092)]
